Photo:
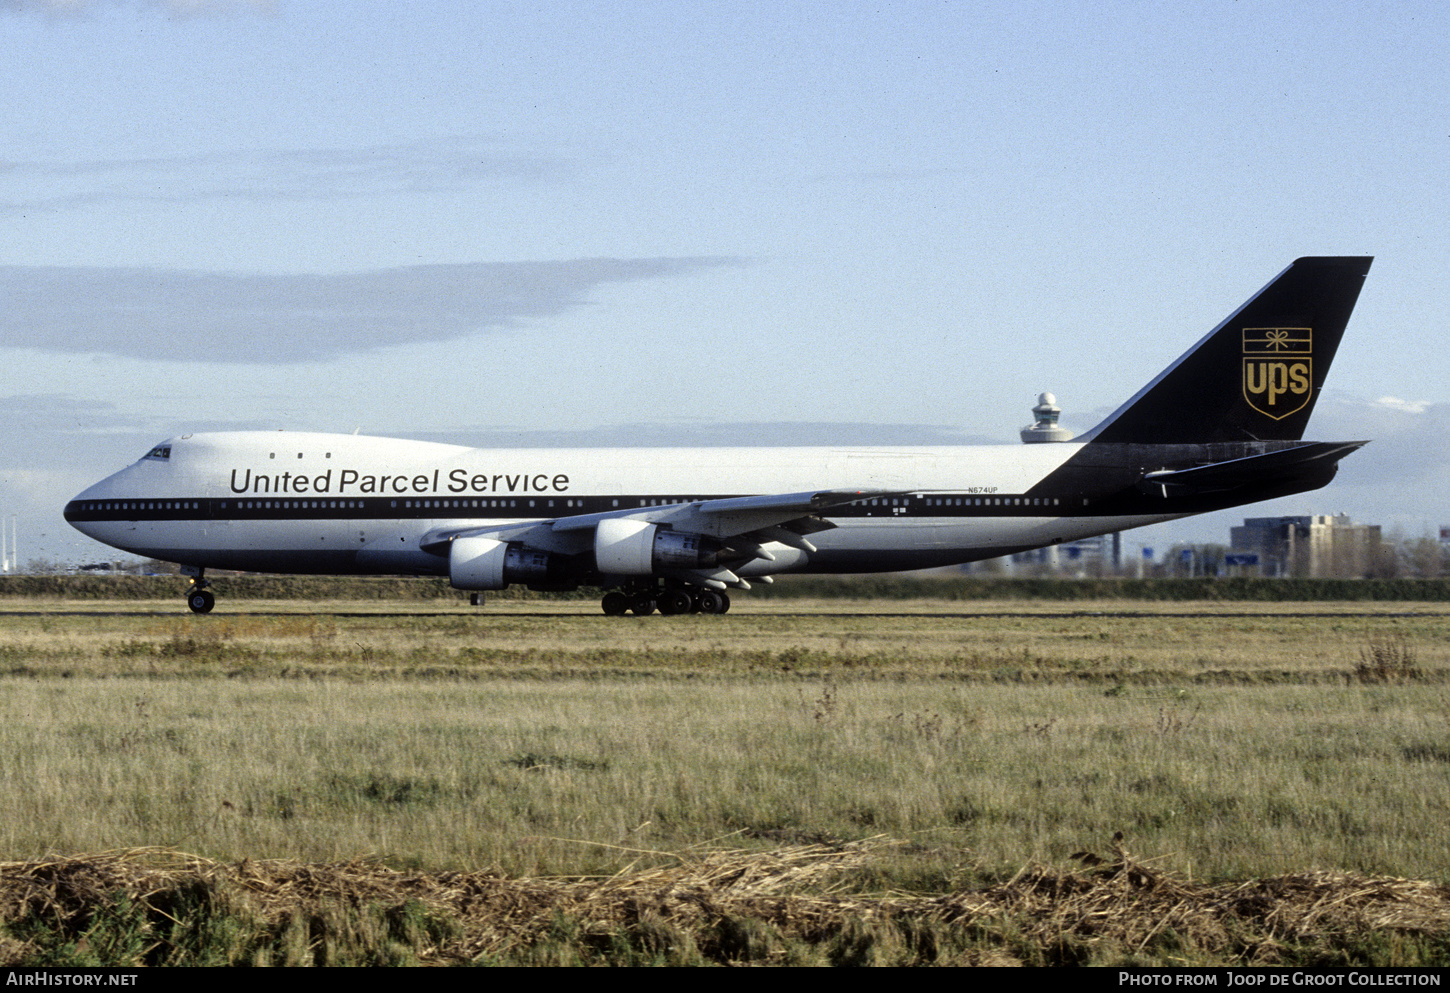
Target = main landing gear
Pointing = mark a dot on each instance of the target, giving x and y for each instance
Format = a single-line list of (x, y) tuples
[(200, 599), (646, 598)]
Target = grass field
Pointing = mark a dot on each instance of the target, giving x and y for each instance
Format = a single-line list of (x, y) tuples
[(537, 740)]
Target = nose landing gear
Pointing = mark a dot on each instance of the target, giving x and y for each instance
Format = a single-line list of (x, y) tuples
[(200, 599)]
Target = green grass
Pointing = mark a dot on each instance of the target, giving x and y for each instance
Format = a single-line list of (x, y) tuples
[(540, 776), (1226, 744)]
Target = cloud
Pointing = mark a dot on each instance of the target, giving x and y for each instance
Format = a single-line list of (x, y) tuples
[(174, 8), (428, 166), (28, 414), (1401, 476), (1404, 406), (709, 434), (277, 319)]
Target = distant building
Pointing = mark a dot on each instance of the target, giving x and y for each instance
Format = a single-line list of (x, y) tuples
[(1322, 546), (1099, 555)]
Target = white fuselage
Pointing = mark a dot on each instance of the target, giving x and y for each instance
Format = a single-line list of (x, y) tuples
[(273, 501)]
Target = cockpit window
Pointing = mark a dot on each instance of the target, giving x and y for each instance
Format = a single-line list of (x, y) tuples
[(159, 452)]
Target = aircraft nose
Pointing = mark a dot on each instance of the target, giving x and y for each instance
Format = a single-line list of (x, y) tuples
[(81, 510), (75, 513)]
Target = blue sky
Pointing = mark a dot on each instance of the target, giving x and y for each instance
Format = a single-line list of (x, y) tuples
[(700, 223)]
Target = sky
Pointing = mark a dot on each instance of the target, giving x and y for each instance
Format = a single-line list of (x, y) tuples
[(660, 223)]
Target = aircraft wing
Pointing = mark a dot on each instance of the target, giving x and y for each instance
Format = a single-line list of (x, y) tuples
[(754, 520), (728, 517)]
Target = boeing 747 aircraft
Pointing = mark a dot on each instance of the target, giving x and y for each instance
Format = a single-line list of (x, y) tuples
[(674, 529)]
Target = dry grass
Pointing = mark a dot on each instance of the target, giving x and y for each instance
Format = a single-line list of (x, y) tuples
[(1237, 782), (1204, 642), (710, 906), (1247, 746), (1387, 659)]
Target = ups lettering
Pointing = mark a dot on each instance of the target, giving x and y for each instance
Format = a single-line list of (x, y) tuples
[(1276, 378)]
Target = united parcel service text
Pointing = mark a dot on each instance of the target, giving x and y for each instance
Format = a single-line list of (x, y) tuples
[(353, 481)]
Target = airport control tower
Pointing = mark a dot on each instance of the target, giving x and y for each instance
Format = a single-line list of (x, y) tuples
[(1046, 427)]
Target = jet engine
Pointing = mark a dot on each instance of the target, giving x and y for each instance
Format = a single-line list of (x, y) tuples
[(625, 547), (478, 563)]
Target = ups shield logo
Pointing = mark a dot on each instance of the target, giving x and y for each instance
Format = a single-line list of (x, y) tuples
[(1277, 370)]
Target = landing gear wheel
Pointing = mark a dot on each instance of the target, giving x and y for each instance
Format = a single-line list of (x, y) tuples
[(201, 601), (711, 602), (642, 608), (615, 603), (676, 602)]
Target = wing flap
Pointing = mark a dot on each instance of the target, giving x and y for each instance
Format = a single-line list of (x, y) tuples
[(731, 516)]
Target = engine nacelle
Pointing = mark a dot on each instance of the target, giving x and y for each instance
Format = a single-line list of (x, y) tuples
[(477, 563), (637, 548)]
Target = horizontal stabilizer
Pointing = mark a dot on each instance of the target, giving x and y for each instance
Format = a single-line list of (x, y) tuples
[(1306, 460)]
